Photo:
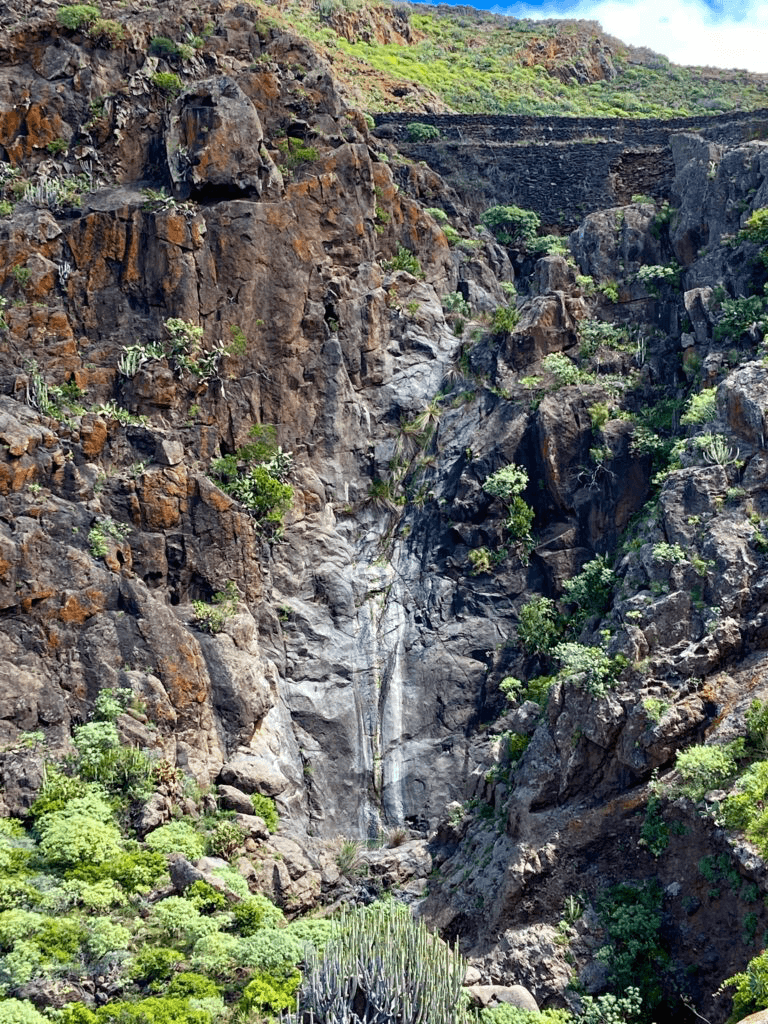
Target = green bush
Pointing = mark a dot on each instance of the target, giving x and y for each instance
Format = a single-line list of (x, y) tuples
[(205, 898), (270, 949), (154, 1010), (519, 519), (20, 1011), (511, 225), (707, 767), (589, 668), (176, 837), (634, 956), (508, 1014), (162, 46), (105, 936), (755, 227), (71, 838), (700, 408), (507, 482), (189, 984), (180, 920), (76, 16), (563, 369), (264, 806), (417, 131), (539, 627), (167, 81), (267, 994), (738, 315), (255, 913), (406, 260), (751, 986), (757, 725), (212, 618), (590, 591), (154, 964), (504, 320), (137, 871)]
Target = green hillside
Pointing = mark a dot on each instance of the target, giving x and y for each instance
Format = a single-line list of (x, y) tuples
[(415, 57)]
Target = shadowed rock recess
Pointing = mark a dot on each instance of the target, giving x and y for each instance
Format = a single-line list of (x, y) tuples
[(217, 279)]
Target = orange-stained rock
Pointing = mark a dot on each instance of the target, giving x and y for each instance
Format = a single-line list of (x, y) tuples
[(93, 435)]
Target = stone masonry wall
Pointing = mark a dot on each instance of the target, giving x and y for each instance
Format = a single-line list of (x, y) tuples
[(561, 167)]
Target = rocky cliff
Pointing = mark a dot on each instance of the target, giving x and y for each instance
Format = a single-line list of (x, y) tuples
[(202, 247)]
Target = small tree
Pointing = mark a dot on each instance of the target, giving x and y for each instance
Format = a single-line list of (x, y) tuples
[(511, 225)]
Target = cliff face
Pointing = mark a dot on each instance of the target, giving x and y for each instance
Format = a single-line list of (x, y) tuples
[(228, 187)]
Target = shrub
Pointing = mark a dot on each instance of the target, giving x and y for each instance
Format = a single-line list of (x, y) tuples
[(563, 369), (268, 994), (187, 984), (136, 871), (737, 316), (539, 627), (751, 986), (92, 741), (69, 838), (589, 668), (519, 519), (417, 131), (225, 839), (706, 767), (591, 590), (263, 494), (264, 806), (180, 919), (205, 898), (508, 1014), (176, 837), (167, 81), (505, 319), (549, 245), (506, 482), (154, 1010), (406, 260), (314, 930), (632, 919), (154, 963), (595, 333), (402, 966), (757, 725), (755, 227), (270, 949), (255, 913), (77, 16), (511, 225), (215, 954), (211, 618), (480, 560), (106, 31), (20, 1011), (162, 46), (105, 936), (700, 408)]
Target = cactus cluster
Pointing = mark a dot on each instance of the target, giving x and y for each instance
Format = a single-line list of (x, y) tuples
[(382, 967)]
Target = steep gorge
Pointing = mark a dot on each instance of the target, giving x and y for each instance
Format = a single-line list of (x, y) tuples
[(357, 680)]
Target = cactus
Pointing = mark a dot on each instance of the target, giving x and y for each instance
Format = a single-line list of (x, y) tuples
[(381, 967)]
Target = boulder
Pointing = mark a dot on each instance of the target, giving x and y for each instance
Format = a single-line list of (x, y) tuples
[(215, 143)]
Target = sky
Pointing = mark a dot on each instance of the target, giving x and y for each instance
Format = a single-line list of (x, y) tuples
[(718, 34)]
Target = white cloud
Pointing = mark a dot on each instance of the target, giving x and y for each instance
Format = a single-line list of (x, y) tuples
[(685, 31)]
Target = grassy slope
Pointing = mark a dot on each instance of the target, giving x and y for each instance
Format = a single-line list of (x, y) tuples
[(472, 62)]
